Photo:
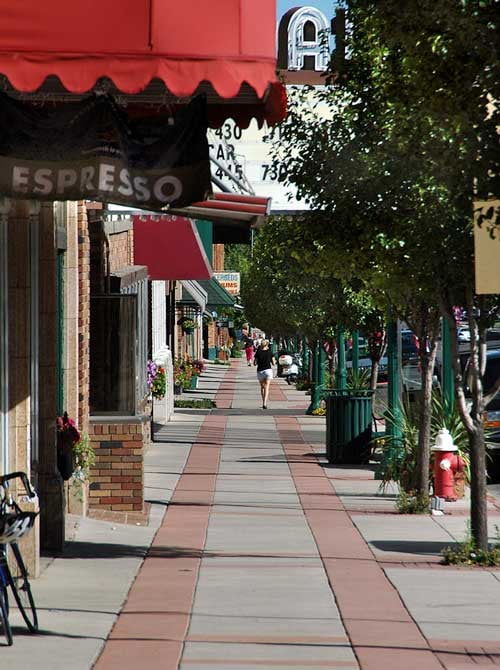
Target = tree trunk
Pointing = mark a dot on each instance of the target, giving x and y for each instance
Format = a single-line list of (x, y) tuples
[(374, 374), (472, 420), (478, 510), (332, 360), (427, 361)]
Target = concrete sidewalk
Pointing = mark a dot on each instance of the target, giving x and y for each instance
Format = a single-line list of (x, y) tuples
[(266, 557)]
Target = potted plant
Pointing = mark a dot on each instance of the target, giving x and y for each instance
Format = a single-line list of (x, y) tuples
[(224, 353), (182, 376), (84, 459), (159, 386), (156, 380), (197, 366)]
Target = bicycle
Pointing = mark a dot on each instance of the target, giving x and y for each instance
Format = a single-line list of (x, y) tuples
[(14, 524)]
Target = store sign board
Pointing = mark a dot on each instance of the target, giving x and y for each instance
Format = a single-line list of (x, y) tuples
[(246, 153), (91, 150), (230, 281), (487, 246)]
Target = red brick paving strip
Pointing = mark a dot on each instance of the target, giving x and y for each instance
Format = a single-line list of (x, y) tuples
[(382, 633), (225, 392), (150, 631)]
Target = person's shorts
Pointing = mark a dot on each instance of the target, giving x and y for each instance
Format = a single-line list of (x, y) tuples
[(264, 374)]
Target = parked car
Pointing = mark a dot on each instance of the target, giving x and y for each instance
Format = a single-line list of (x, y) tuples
[(463, 334), (492, 414), (409, 345), (492, 417), (367, 363)]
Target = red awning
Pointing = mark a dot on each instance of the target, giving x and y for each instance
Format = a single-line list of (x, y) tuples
[(182, 46), (232, 214), (170, 247), (234, 206)]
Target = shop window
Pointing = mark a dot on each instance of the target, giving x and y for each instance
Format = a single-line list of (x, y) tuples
[(113, 354)]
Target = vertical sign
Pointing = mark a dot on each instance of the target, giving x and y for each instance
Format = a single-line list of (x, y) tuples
[(487, 246)]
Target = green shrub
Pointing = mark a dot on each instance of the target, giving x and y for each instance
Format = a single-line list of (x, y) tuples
[(399, 455), (409, 503), (202, 403), (465, 553)]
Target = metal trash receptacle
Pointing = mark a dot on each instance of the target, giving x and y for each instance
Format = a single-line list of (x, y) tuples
[(348, 426)]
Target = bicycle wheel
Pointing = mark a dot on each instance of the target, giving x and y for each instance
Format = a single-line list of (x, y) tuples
[(4, 615), (21, 590)]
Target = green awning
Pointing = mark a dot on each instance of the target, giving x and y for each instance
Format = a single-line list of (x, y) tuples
[(217, 294)]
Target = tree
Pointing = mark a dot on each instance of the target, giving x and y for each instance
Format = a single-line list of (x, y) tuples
[(393, 158)]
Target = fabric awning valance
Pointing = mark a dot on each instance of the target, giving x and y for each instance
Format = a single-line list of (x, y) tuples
[(227, 46)]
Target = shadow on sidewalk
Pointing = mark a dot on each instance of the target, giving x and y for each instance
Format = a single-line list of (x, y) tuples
[(418, 547), (78, 549)]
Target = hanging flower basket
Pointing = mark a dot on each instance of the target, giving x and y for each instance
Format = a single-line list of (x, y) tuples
[(68, 436), (187, 325)]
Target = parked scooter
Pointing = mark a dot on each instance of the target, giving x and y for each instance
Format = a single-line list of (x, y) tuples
[(294, 369), (284, 363)]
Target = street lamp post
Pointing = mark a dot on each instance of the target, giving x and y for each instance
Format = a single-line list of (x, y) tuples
[(355, 350), (318, 378), (341, 381), (447, 377)]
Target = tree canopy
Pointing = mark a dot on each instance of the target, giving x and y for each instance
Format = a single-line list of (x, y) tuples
[(391, 159)]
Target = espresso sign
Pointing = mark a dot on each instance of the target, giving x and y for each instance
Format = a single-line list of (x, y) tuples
[(91, 150)]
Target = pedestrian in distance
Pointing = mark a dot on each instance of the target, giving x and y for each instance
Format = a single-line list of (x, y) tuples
[(264, 360), (249, 348)]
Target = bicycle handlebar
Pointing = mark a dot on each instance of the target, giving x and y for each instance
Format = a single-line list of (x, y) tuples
[(23, 477)]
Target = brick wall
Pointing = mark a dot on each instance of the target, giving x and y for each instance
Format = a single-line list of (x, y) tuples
[(120, 250), (218, 258), (117, 479)]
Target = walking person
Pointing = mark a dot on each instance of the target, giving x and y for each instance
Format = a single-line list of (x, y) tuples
[(264, 360), (249, 348)]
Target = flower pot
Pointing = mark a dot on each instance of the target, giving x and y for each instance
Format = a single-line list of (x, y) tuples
[(188, 331), (193, 382), (177, 389)]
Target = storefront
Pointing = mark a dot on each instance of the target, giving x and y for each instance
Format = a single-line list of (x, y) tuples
[(54, 59)]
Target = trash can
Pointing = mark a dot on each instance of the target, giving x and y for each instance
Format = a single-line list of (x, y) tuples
[(348, 426)]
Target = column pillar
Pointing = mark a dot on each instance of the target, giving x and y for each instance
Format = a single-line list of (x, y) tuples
[(5, 206), (52, 533), (393, 427)]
